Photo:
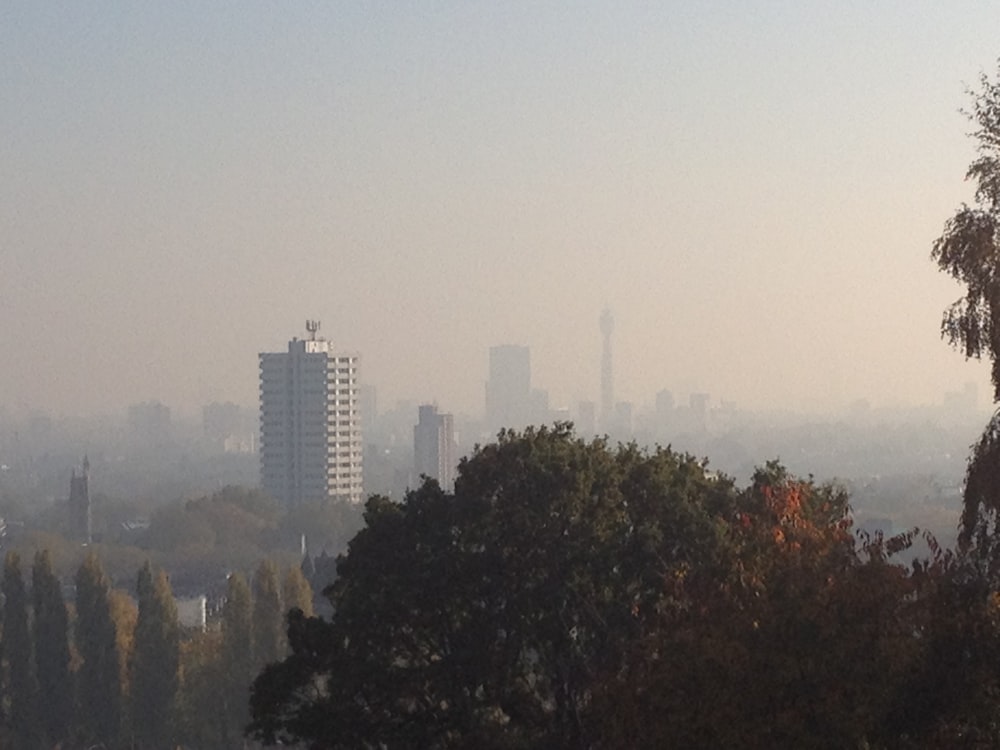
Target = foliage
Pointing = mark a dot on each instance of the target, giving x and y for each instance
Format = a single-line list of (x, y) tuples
[(969, 251), (17, 653), (237, 658), (51, 647), (572, 595), (296, 592), (155, 661), (482, 618), (100, 686), (202, 697), (268, 615)]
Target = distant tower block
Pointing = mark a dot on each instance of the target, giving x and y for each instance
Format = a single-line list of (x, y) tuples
[(79, 504), (607, 371), (310, 425)]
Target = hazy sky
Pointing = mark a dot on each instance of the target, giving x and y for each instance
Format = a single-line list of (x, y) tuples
[(753, 188)]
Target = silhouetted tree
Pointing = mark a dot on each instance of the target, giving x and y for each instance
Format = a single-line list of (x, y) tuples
[(154, 665), (480, 619), (17, 652), (52, 655), (237, 658), (268, 615), (969, 251), (100, 673)]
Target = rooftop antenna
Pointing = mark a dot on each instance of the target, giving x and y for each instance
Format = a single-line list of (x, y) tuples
[(311, 327)]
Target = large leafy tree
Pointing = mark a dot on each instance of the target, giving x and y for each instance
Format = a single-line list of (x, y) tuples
[(52, 655), (100, 692), (796, 641), (969, 250), (155, 661), (483, 618)]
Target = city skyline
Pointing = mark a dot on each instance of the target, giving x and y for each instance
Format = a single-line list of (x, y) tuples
[(752, 190)]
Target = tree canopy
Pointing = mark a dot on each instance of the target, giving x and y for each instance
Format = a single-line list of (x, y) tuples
[(569, 594), (969, 251)]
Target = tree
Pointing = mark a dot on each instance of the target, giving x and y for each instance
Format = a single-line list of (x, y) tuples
[(268, 615), (17, 652), (969, 251), (799, 639), (99, 677), (482, 618), (202, 698), (237, 658), (52, 655), (296, 592), (155, 661)]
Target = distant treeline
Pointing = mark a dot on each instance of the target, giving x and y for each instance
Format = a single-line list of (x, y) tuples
[(108, 670)]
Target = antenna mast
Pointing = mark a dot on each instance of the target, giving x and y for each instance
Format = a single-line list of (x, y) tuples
[(312, 326)]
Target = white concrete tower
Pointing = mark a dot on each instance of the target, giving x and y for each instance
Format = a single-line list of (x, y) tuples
[(310, 425), (434, 446)]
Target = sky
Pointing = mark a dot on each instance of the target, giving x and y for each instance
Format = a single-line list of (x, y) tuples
[(752, 188)]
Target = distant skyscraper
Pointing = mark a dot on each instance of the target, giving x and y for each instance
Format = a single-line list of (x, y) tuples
[(79, 503), (586, 419), (607, 372), (310, 425), (434, 446), (149, 425), (508, 391)]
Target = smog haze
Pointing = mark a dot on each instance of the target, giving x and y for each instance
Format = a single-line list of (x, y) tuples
[(753, 190)]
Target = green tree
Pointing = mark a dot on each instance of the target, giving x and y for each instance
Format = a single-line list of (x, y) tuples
[(99, 678), (296, 592), (482, 618), (268, 615), (969, 251), (52, 655), (797, 640), (237, 658), (202, 697), (17, 652), (155, 661)]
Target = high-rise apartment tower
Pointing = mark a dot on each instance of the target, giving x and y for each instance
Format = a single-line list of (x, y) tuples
[(508, 391), (434, 446), (310, 425)]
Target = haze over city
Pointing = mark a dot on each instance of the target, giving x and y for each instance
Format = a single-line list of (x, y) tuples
[(752, 190)]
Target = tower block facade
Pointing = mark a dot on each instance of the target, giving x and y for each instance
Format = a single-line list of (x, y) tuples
[(310, 423)]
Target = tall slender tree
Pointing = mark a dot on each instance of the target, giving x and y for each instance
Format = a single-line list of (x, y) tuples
[(297, 592), (17, 649), (268, 615), (154, 664), (99, 676), (52, 655), (237, 658)]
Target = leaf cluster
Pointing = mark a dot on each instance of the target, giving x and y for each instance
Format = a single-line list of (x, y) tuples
[(571, 594)]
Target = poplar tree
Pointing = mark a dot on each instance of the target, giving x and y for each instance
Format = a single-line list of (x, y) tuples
[(297, 592), (237, 658), (155, 661), (268, 615), (17, 653), (52, 655), (99, 676)]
